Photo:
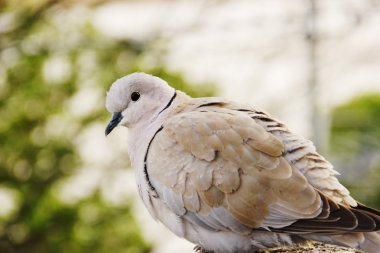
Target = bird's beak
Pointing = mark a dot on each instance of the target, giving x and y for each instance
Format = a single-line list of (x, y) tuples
[(115, 120)]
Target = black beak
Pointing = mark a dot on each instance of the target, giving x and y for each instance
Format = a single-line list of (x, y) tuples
[(115, 120)]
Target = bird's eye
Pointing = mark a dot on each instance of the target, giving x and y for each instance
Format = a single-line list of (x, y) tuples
[(135, 96)]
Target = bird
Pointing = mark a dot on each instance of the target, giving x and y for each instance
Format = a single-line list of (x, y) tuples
[(229, 177)]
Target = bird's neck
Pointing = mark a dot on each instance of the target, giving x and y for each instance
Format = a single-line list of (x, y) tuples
[(141, 133)]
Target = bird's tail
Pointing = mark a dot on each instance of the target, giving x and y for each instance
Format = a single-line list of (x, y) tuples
[(362, 232), (368, 242), (371, 242)]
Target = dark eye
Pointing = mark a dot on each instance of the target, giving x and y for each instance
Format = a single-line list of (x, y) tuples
[(135, 96)]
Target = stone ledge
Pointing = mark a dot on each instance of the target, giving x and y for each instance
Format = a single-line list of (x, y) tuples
[(310, 247)]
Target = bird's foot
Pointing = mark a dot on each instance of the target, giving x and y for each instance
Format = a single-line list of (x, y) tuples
[(199, 249)]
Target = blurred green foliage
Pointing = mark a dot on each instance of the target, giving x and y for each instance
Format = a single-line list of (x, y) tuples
[(355, 143), (49, 52)]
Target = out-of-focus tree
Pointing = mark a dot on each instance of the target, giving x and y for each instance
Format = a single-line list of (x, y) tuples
[(49, 55), (355, 144)]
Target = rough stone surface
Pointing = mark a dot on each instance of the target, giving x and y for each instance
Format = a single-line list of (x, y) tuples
[(310, 247)]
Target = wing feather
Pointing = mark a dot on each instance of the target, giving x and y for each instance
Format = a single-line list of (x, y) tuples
[(225, 169), (225, 161), (174, 201)]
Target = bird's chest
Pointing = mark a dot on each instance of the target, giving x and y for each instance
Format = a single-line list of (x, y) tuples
[(139, 151), (139, 144)]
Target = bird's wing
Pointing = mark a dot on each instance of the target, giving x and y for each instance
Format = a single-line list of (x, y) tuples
[(302, 154), (222, 170), (298, 151)]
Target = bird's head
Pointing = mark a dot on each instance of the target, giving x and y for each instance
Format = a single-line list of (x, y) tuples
[(136, 98)]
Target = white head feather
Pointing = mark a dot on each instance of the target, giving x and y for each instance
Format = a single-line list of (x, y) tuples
[(154, 94)]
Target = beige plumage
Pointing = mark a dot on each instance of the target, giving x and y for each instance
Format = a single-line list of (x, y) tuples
[(231, 178)]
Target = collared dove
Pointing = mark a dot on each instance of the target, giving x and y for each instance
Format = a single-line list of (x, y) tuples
[(230, 178)]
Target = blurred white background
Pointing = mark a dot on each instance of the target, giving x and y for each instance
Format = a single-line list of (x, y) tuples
[(259, 53), (296, 59)]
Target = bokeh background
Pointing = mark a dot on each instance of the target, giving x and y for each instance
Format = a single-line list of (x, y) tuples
[(64, 187)]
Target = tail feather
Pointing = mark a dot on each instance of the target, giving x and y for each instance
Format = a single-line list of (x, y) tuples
[(364, 235), (371, 243), (367, 242), (337, 218)]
